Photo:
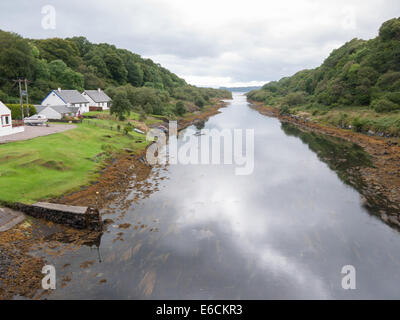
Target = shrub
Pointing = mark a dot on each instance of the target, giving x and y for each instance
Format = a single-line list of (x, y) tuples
[(394, 97), (295, 98), (384, 105), (16, 111), (284, 110), (199, 102), (180, 108), (128, 128), (358, 124)]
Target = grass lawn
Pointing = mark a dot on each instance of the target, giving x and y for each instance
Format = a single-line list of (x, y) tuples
[(49, 166)]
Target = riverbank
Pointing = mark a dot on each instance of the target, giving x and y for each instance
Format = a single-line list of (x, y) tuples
[(117, 174), (380, 182)]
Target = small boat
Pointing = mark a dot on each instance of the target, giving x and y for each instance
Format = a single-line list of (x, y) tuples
[(36, 120), (138, 131)]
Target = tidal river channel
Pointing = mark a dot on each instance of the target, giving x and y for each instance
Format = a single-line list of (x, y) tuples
[(283, 232)]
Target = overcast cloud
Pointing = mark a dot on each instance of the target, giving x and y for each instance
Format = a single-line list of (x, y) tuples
[(211, 42)]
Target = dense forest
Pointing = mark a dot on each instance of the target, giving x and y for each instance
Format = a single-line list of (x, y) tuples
[(76, 63), (360, 73)]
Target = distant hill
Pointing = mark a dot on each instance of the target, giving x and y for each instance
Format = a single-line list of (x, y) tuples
[(240, 89), (76, 63), (360, 73)]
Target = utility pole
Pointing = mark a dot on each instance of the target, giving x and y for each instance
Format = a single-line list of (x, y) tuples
[(20, 99), (27, 98)]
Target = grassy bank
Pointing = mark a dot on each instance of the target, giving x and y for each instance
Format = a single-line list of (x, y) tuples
[(360, 119), (49, 166)]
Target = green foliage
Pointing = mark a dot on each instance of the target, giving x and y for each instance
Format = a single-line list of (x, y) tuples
[(390, 30), (199, 102), (360, 124), (16, 110), (394, 97), (76, 63), (284, 110), (128, 128), (295, 98), (356, 74), (384, 105), (120, 105), (180, 108)]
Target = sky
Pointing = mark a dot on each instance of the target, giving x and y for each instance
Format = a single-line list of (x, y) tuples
[(209, 42)]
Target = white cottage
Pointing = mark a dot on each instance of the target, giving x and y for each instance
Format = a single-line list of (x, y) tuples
[(97, 98), (69, 98), (6, 124), (57, 112)]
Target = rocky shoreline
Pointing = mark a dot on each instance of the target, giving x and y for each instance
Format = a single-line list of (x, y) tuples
[(380, 183)]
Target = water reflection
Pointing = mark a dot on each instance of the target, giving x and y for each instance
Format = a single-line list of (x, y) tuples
[(284, 232)]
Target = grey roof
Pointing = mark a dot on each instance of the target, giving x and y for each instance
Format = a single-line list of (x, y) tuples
[(39, 108), (63, 109), (71, 96), (98, 96)]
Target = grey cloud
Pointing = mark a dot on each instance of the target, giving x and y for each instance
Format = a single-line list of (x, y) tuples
[(243, 41)]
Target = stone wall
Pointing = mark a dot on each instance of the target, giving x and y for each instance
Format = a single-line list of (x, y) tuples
[(76, 217)]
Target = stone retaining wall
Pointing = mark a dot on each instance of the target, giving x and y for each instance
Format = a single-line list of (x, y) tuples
[(76, 217)]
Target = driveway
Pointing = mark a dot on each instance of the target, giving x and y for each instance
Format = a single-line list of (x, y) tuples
[(36, 131)]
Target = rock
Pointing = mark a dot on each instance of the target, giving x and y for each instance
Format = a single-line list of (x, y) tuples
[(385, 217), (364, 201), (394, 220), (108, 221)]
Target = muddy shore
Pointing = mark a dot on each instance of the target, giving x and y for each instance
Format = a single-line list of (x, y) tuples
[(20, 271), (380, 182)]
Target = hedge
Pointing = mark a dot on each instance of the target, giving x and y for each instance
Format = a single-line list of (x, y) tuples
[(16, 111)]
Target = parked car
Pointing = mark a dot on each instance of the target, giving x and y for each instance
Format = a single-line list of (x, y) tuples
[(36, 120)]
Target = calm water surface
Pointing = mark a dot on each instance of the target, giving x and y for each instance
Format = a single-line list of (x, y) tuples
[(284, 232)]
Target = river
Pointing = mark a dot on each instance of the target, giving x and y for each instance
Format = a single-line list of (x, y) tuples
[(283, 232)]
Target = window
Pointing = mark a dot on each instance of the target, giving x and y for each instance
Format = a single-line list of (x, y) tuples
[(5, 120)]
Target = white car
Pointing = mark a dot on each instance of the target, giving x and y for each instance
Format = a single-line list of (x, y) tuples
[(36, 120)]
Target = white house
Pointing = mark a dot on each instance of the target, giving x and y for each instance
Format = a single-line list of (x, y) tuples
[(97, 98), (6, 124), (57, 112), (69, 98)]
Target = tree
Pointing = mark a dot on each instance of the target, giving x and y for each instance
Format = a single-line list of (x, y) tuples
[(180, 108), (120, 105), (59, 49), (390, 30), (199, 102), (16, 56), (135, 74), (65, 76), (384, 105), (116, 67)]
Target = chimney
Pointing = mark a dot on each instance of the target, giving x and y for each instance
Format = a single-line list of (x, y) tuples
[(59, 89)]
